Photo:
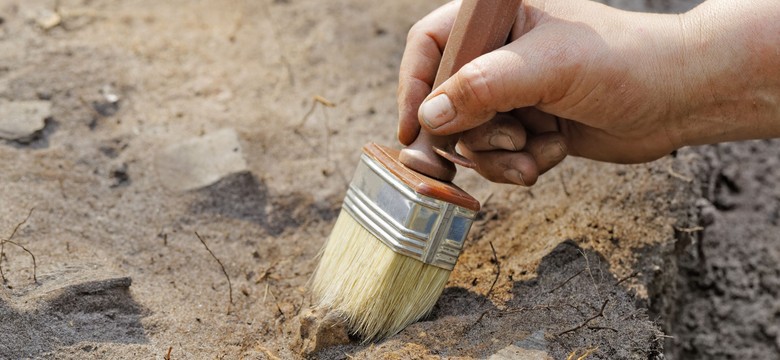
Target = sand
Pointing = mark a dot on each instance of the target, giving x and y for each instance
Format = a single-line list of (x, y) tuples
[(242, 121)]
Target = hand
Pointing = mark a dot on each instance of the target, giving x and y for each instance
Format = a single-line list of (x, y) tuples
[(585, 79)]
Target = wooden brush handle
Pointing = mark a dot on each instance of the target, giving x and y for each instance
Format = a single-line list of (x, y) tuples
[(481, 26)]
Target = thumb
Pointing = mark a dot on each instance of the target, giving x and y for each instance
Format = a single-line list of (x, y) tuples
[(499, 81)]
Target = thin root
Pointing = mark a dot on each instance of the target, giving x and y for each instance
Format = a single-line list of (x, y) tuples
[(586, 322), (230, 284), (498, 271), (9, 240)]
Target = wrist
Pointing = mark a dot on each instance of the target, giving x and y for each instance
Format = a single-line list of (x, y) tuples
[(730, 73)]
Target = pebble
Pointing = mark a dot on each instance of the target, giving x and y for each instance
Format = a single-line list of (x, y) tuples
[(532, 347), (199, 162), (20, 120), (48, 19)]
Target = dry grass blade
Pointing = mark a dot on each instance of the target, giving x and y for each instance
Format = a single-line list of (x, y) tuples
[(9, 240), (230, 284), (35, 264)]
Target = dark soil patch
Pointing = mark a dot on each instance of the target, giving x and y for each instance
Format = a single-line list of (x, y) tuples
[(729, 282)]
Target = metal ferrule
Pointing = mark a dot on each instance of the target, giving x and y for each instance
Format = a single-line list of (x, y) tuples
[(424, 228)]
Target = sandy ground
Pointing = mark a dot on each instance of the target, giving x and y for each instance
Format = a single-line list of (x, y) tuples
[(242, 121)]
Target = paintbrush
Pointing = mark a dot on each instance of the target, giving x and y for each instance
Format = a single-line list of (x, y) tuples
[(403, 222)]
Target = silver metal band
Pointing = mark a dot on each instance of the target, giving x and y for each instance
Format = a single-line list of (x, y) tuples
[(424, 228)]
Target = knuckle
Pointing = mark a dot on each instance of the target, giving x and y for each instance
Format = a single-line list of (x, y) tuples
[(474, 87), (415, 30)]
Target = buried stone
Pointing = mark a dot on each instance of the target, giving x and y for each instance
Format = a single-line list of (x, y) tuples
[(21, 121)]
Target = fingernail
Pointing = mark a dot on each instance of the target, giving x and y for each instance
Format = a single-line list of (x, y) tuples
[(502, 141), (553, 151), (514, 176), (437, 111)]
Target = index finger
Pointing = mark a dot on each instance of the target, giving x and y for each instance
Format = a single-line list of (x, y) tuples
[(424, 47)]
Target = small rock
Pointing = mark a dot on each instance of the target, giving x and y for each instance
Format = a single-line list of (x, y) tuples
[(534, 342), (530, 348), (48, 19), (20, 120), (316, 330), (707, 212), (108, 105), (200, 162)]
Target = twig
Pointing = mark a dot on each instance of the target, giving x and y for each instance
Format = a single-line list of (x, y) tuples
[(632, 275), (576, 309), (35, 265), (479, 319), (585, 323), (324, 101), (278, 308), (563, 184), (266, 272), (8, 240), (690, 229), (317, 99), (168, 354), (584, 355), (230, 284), (673, 173), (498, 271), (602, 328), (566, 281)]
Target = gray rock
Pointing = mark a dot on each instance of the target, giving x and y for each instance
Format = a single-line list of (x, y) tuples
[(20, 120), (202, 161)]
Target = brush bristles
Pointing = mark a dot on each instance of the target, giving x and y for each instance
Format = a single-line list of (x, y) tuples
[(378, 291)]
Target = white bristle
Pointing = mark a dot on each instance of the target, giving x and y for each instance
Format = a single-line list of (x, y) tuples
[(378, 291)]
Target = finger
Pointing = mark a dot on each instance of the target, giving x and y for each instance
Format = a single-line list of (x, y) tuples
[(527, 72), (511, 167), (504, 132), (424, 46), (535, 121), (547, 149)]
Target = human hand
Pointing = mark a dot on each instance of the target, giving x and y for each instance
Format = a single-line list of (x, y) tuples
[(581, 78)]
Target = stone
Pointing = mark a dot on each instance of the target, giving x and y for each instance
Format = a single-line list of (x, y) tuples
[(532, 347), (48, 19), (20, 120), (316, 330), (199, 162)]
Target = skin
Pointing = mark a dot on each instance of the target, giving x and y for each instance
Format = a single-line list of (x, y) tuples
[(583, 79)]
